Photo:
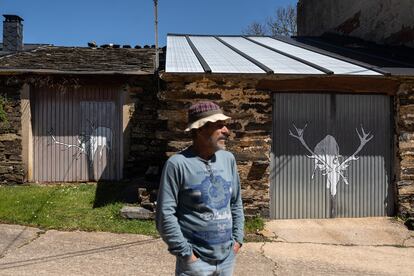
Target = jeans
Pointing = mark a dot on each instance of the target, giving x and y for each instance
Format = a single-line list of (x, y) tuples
[(202, 268)]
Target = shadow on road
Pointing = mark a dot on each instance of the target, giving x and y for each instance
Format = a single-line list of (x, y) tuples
[(33, 261)]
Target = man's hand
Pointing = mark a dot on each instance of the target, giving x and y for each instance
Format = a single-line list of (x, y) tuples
[(192, 258), (236, 247)]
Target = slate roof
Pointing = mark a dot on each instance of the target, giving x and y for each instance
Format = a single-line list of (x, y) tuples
[(26, 47), (81, 60)]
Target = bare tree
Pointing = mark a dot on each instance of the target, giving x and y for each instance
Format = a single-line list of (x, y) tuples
[(255, 28), (282, 23)]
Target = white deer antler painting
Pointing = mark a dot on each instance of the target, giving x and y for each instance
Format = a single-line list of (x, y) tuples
[(327, 158), (100, 137)]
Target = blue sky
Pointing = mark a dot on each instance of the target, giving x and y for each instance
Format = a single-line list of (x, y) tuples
[(75, 22)]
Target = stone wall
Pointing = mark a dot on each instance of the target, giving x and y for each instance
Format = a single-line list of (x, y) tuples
[(251, 112), (405, 152), (11, 166), (144, 152), (155, 124), (382, 21)]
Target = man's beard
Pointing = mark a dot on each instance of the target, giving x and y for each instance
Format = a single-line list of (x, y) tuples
[(219, 144)]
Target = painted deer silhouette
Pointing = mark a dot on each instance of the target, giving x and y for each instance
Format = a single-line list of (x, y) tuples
[(327, 158), (100, 137)]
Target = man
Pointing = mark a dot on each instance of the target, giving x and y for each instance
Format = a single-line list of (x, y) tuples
[(199, 206)]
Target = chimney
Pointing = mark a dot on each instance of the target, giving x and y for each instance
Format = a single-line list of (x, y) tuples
[(12, 33)]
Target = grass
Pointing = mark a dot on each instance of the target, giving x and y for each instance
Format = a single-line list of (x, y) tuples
[(66, 207), (252, 226), (85, 207)]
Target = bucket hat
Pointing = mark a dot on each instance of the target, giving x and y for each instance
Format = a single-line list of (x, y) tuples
[(202, 112)]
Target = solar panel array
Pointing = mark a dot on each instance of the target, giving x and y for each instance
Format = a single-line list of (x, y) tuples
[(180, 57), (238, 54)]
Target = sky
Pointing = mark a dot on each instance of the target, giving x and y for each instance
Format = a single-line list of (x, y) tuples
[(131, 22)]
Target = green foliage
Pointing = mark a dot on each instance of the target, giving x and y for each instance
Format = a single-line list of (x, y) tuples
[(82, 207), (252, 228), (253, 225), (66, 207), (3, 114)]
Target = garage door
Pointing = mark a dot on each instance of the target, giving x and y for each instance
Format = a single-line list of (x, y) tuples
[(331, 156), (77, 135)]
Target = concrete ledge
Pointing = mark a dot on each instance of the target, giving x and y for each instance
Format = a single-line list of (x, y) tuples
[(349, 231)]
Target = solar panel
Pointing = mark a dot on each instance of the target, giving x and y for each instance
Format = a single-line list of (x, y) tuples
[(221, 58), (180, 57), (277, 62), (333, 64)]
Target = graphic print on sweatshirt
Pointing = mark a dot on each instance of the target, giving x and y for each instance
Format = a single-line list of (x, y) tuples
[(214, 192)]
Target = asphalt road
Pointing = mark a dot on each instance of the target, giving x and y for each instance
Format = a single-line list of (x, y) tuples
[(299, 247)]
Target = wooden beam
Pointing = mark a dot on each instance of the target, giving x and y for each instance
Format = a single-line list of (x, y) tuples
[(332, 84)]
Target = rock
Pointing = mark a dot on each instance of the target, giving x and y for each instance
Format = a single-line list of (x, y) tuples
[(9, 137), (406, 190), (133, 212), (148, 206), (178, 145), (257, 170), (178, 115), (143, 195)]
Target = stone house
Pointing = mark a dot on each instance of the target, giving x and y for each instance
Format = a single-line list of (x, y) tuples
[(75, 113), (317, 133), (322, 126), (273, 107)]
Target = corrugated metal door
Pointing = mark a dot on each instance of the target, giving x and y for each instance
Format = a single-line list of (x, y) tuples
[(331, 156), (77, 134)]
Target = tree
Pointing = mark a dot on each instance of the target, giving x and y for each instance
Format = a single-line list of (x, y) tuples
[(255, 28), (282, 23)]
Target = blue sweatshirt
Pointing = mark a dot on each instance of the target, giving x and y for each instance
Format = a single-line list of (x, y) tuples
[(199, 206)]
